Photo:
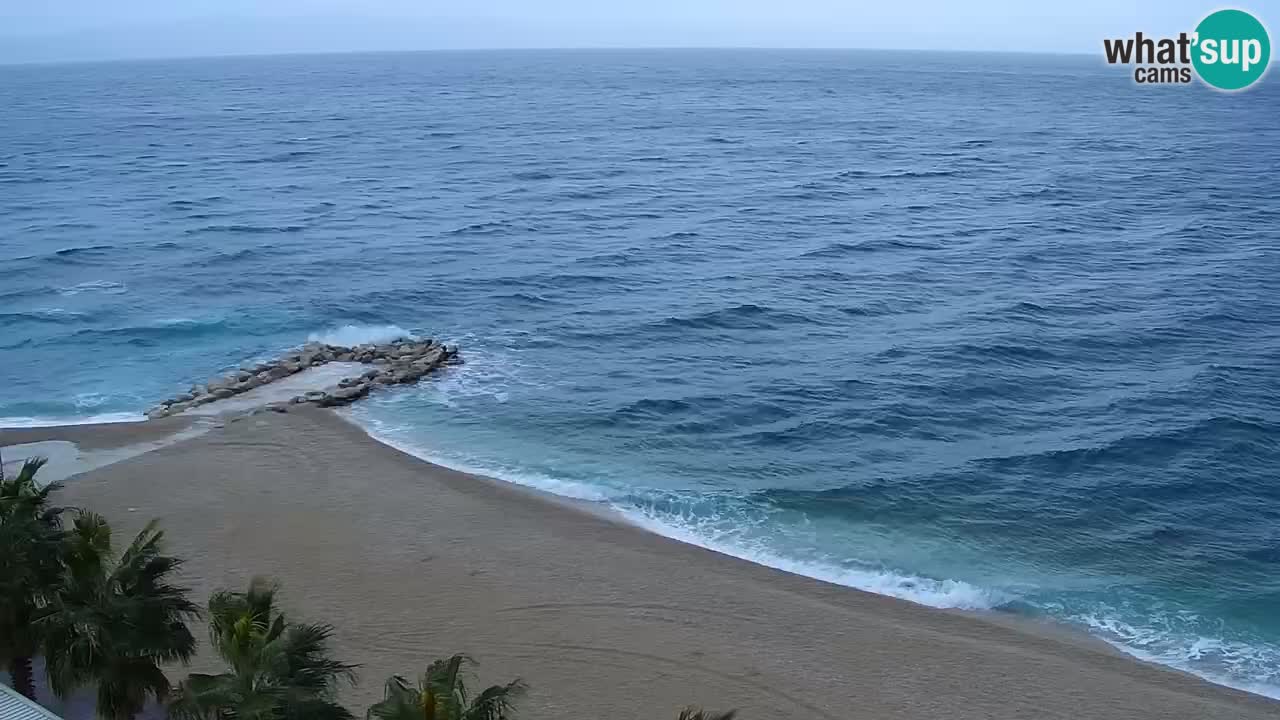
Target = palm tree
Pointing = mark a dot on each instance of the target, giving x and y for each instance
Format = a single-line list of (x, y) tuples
[(278, 670), (116, 621), (442, 694), (30, 567), (697, 713)]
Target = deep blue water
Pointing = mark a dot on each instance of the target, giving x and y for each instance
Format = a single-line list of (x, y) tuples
[(976, 331)]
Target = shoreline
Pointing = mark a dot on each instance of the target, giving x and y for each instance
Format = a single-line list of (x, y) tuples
[(456, 562)]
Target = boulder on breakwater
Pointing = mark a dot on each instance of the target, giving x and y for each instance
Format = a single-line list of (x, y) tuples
[(393, 363)]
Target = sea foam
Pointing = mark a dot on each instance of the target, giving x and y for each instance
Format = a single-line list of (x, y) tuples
[(352, 335), (938, 593), (100, 419), (944, 593)]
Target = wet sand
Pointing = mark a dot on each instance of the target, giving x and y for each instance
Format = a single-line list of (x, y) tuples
[(412, 562)]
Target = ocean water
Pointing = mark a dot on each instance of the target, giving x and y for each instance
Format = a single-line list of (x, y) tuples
[(977, 331)]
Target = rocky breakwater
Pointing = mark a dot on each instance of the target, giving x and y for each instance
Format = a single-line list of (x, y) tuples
[(394, 363)]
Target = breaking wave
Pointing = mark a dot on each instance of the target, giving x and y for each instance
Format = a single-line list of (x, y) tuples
[(351, 335)]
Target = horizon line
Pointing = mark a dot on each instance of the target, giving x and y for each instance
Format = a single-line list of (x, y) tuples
[(575, 48)]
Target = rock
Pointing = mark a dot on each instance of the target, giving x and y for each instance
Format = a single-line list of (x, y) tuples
[(344, 396), (403, 360), (432, 357)]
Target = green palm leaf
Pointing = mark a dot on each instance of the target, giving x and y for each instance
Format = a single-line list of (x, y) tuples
[(31, 542), (442, 694), (114, 621), (277, 670), (696, 713)]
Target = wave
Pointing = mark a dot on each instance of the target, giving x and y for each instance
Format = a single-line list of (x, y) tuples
[(520, 298), (735, 524), (747, 316), (283, 157), (108, 287), (99, 419), (158, 332), (246, 229), (238, 256), (482, 228), (894, 174), (388, 434), (938, 593), (56, 316), (532, 175), (944, 593), (352, 335), (85, 250), (844, 249), (80, 255), (1157, 445), (1235, 663), (1166, 640)]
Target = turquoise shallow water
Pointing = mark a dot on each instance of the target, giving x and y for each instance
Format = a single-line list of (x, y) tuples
[(975, 331)]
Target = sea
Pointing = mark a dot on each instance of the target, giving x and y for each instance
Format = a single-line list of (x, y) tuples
[(992, 332)]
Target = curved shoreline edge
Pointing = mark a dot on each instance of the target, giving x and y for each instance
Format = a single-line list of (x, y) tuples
[(384, 544)]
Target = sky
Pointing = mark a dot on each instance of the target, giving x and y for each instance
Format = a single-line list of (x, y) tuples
[(68, 30)]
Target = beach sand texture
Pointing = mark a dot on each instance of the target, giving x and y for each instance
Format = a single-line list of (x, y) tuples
[(412, 562)]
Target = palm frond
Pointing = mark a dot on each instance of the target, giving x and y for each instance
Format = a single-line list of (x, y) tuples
[(445, 676), (26, 476), (400, 701), (697, 713), (315, 709), (89, 546), (442, 694), (278, 670), (115, 621), (496, 702)]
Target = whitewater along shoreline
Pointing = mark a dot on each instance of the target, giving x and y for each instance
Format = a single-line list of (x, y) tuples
[(412, 561)]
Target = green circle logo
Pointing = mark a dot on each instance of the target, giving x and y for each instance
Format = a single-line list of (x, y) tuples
[(1232, 50)]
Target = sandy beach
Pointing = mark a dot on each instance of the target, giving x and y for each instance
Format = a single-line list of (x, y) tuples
[(412, 561)]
